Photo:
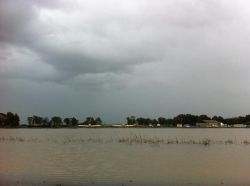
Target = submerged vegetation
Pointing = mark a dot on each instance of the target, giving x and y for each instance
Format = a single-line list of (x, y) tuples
[(138, 139), (132, 139)]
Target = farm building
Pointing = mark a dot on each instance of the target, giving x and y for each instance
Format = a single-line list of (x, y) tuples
[(179, 125), (239, 125), (208, 124)]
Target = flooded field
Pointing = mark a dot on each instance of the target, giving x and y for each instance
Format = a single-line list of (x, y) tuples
[(124, 157)]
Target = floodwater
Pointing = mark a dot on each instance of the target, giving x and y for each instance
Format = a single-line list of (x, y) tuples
[(128, 157)]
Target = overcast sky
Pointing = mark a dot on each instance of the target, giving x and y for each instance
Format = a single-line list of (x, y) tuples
[(115, 58)]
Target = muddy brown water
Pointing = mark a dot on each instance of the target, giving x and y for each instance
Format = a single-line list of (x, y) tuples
[(128, 157)]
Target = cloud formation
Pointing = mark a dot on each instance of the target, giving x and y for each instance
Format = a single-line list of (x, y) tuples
[(161, 54)]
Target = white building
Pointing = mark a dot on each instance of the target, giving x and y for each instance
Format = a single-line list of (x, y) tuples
[(239, 125), (208, 124)]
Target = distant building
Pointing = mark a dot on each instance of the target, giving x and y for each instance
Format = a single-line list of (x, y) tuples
[(208, 124), (239, 125), (123, 125), (186, 125), (179, 125)]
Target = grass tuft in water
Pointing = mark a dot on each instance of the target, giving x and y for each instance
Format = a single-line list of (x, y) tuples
[(130, 140)]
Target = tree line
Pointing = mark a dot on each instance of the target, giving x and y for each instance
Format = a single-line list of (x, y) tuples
[(54, 121), (12, 120), (186, 119), (57, 121), (9, 119)]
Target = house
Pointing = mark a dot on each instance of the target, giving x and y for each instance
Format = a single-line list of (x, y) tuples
[(123, 125), (179, 125), (208, 124), (201, 125), (223, 125), (247, 124), (186, 125), (239, 125)]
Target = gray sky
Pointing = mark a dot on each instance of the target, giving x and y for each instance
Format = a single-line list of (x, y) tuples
[(114, 58)]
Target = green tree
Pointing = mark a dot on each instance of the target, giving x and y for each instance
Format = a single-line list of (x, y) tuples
[(239, 119), (67, 121), (169, 121), (148, 121), (204, 117), (162, 121), (12, 119), (37, 120), (56, 121), (215, 118), (89, 120), (45, 121), (131, 120), (154, 122), (190, 119), (30, 121), (220, 119), (141, 121), (3, 119), (247, 118), (16, 120), (179, 119), (74, 121), (98, 121)]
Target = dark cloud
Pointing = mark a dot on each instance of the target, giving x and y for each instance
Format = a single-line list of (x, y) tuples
[(123, 53), (15, 18)]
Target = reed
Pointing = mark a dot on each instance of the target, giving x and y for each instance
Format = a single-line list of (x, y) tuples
[(11, 138), (229, 142), (135, 139), (131, 139), (246, 142)]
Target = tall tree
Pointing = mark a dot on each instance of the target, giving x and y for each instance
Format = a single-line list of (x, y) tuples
[(89, 120), (30, 121), (162, 121), (141, 121), (56, 121), (74, 121), (3, 119), (204, 117), (16, 120), (148, 121), (98, 121), (37, 120), (67, 121), (220, 119), (131, 120), (10, 119), (247, 118), (154, 122), (45, 121), (169, 121)]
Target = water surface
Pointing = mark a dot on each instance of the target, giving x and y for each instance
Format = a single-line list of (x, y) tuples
[(99, 157)]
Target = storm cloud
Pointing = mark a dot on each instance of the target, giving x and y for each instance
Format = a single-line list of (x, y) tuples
[(115, 59)]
